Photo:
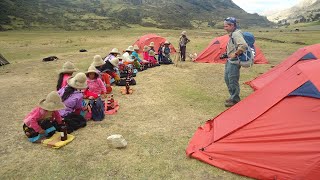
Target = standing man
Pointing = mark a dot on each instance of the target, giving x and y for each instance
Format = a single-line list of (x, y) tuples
[(235, 47), (183, 41)]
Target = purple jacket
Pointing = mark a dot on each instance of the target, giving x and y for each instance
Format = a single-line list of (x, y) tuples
[(73, 103)]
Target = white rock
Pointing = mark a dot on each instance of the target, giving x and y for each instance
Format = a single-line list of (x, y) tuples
[(117, 141)]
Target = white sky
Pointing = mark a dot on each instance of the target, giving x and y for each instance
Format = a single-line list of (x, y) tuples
[(263, 6)]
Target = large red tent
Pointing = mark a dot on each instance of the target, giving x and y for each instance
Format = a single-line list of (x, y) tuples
[(302, 55), (146, 39), (272, 134), (217, 47)]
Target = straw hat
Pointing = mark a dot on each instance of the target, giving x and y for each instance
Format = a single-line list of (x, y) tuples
[(68, 67), (184, 33), (166, 42), (151, 44), (130, 48), (114, 51), (145, 48), (92, 69), (151, 53), (52, 102), (135, 47), (119, 56), (79, 81), (114, 61), (97, 61)]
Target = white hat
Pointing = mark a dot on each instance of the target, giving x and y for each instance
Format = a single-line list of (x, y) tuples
[(130, 48), (97, 61), (135, 47), (166, 42), (92, 69), (79, 81), (114, 51), (151, 44), (146, 48), (68, 67), (52, 102), (114, 61), (151, 53), (184, 33)]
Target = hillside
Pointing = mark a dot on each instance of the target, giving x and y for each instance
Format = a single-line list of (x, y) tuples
[(114, 14), (304, 11)]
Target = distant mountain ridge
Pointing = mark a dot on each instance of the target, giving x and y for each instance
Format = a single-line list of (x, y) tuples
[(304, 11), (113, 14)]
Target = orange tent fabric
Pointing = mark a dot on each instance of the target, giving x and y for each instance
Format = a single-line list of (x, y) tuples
[(272, 134), (218, 46), (300, 56), (146, 39)]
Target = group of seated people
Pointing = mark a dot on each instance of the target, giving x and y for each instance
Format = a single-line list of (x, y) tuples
[(71, 91)]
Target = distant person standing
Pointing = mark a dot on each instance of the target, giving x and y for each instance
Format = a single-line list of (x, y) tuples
[(183, 41), (235, 47)]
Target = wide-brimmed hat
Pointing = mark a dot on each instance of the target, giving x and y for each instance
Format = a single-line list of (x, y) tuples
[(97, 61), (130, 48), (136, 48), (114, 51), (68, 67), (151, 44), (119, 56), (52, 102), (166, 42), (146, 48), (184, 33), (151, 53), (92, 69), (114, 61), (79, 81)]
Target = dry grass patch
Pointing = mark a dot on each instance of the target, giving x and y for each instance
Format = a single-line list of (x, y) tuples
[(158, 119)]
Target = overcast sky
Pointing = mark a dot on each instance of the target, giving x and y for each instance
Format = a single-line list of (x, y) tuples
[(262, 6)]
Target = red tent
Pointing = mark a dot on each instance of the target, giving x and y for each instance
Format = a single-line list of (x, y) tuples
[(272, 134), (146, 39), (300, 56), (218, 46)]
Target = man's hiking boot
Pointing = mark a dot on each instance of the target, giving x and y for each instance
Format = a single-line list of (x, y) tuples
[(227, 100), (230, 103)]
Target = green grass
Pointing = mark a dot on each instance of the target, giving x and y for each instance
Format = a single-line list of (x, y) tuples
[(157, 120)]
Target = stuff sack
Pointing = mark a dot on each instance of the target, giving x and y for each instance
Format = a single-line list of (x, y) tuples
[(97, 109)]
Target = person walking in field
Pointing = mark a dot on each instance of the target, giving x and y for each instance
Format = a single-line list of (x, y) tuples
[(183, 41), (235, 47)]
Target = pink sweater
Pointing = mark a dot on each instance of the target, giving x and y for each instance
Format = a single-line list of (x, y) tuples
[(96, 86), (37, 114), (64, 80), (152, 60), (145, 55)]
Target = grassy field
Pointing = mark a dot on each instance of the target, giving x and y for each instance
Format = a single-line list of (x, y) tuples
[(157, 120)]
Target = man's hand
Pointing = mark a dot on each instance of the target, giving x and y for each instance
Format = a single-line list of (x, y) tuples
[(232, 56)]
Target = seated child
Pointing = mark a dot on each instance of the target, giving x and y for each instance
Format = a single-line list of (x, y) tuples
[(65, 73), (166, 53), (95, 84), (98, 63), (43, 120), (110, 67), (72, 96), (152, 60)]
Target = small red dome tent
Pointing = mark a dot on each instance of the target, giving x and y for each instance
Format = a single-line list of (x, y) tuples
[(146, 39), (302, 55), (218, 46), (274, 133)]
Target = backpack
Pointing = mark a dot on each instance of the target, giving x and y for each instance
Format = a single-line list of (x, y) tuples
[(247, 57), (97, 109)]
